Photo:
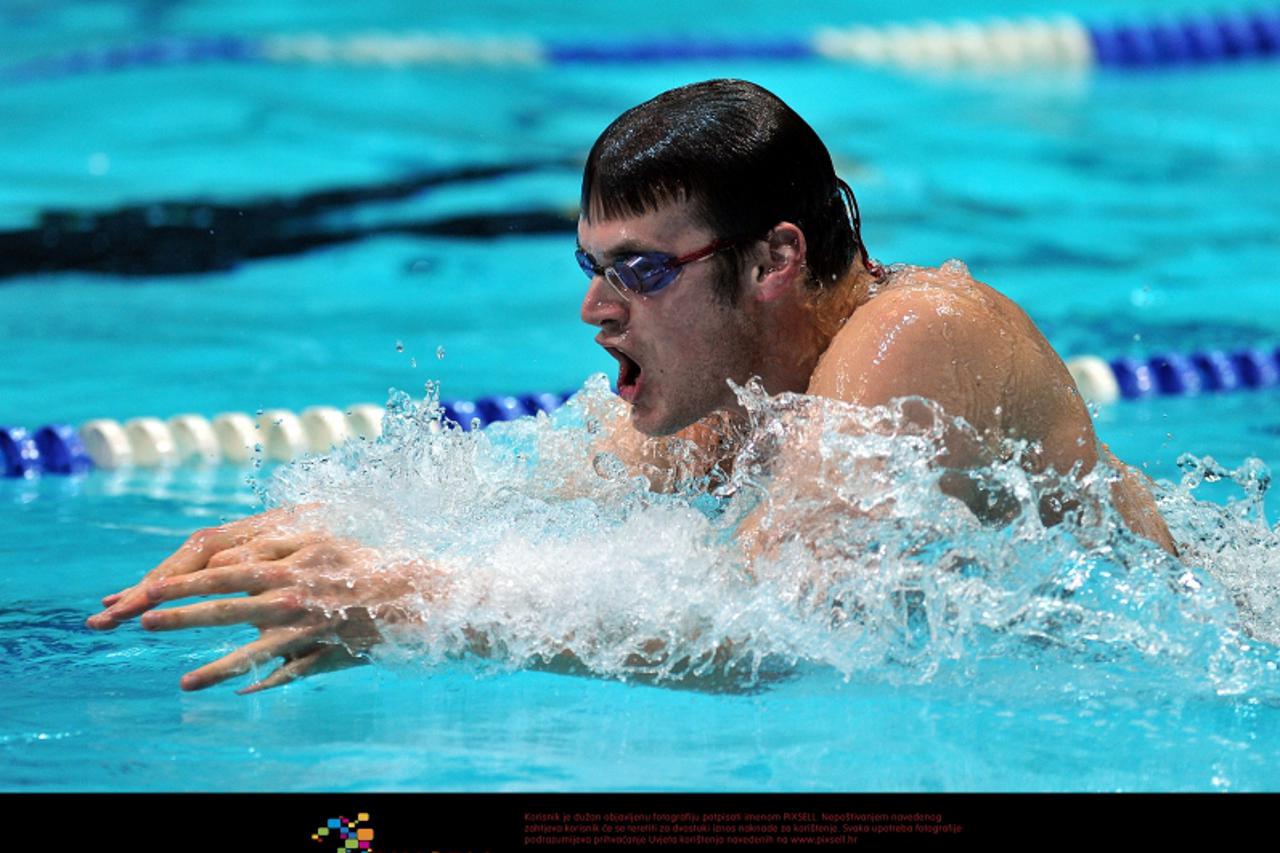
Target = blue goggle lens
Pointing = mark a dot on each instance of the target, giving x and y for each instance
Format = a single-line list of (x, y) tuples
[(639, 273)]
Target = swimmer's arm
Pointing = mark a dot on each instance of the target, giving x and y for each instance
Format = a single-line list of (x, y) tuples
[(887, 357), (1131, 495), (320, 603), (975, 363)]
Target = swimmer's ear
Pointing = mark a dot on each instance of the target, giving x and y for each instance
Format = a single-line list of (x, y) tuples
[(778, 273)]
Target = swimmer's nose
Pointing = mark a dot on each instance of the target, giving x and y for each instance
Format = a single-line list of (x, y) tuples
[(603, 305)]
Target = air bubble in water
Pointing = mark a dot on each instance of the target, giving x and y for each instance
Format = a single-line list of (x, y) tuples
[(440, 353)]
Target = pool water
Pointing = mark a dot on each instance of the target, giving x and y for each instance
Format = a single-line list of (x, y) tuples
[(1128, 214)]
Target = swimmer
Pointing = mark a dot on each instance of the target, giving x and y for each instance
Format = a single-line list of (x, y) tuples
[(719, 246)]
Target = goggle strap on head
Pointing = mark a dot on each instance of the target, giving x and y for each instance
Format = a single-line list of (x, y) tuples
[(855, 220), (707, 251)]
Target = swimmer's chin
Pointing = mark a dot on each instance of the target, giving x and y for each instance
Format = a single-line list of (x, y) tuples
[(644, 428), (650, 429), (644, 421), (650, 425)]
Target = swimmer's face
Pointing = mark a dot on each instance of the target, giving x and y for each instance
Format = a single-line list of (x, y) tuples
[(676, 349)]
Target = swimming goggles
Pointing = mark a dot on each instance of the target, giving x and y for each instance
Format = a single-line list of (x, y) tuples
[(646, 273)]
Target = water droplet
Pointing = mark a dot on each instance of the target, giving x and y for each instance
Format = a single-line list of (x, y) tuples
[(440, 353), (399, 346), (413, 362)]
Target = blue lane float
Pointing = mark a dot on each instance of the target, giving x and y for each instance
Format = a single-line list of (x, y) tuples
[(487, 410), (994, 45), (1211, 371), (1210, 38), (18, 452), (61, 451)]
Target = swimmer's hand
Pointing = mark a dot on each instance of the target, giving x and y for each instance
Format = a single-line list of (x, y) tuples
[(316, 600), (214, 546)]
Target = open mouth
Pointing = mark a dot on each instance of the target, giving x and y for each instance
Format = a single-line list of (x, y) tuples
[(629, 372)]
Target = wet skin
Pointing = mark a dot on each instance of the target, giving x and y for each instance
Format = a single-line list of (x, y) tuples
[(930, 333), (939, 334), (916, 332)]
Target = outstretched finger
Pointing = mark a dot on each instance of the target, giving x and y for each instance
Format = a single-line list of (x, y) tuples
[(290, 670), (322, 659), (191, 557), (279, 642), (262, 610), (253, 578)]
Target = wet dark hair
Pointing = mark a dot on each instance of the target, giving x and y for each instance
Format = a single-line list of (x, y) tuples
[(745, 159)]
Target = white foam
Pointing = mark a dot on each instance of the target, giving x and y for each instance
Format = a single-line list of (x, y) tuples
[(867, 566)]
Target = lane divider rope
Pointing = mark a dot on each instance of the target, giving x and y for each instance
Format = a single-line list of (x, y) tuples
[(989, 45), (235, 438), (280, 434)]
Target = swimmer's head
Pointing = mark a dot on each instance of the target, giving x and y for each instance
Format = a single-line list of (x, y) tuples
[(742, 157)]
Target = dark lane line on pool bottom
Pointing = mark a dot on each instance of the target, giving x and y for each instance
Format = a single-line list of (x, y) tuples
[(193, 236)]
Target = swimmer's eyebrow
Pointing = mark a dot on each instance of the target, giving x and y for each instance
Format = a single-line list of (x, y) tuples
[(625, 249)]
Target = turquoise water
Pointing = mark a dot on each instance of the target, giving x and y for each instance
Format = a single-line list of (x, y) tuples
[(1127, 214)]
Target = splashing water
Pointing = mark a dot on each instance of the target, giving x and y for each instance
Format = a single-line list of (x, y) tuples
[(862, 564)]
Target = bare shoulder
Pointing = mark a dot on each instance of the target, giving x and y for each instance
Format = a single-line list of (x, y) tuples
[(938, 333), (933, 333)]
